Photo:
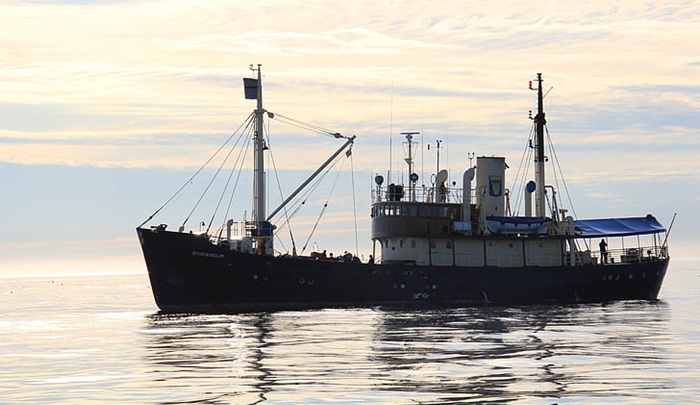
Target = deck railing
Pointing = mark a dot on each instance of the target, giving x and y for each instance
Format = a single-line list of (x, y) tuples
[(631, 255), (420, 194)]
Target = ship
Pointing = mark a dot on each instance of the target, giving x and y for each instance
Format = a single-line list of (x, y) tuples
[(434, 246)]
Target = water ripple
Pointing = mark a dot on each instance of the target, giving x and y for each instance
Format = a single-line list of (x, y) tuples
[(586, 352), (77, 341)]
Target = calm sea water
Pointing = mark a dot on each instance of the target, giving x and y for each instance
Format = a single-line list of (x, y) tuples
[(78, 340)]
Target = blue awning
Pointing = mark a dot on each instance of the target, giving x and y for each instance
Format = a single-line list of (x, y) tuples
[(618, 226)]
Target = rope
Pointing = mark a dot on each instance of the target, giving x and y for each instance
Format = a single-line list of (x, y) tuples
[(314, 228), (236, 167), (354, 202), (286, 213), (310, 127), (206, 189), (561, 173), (189, 181), (323, 210), (306, 194), (228, 182), (523, 167)]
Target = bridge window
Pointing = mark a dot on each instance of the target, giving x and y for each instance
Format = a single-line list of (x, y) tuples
[(388, 210)]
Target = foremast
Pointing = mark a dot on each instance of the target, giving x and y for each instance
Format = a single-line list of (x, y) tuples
[(259, 164), (260, 229)]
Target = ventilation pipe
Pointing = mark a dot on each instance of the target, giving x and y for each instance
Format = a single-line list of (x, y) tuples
[(229, 224), (467, 194), (529, 189)]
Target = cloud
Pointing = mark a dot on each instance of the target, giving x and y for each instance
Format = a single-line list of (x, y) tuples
[(107, 85)]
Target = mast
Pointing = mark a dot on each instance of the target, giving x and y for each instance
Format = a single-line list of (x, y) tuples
[(259, 147), (540, 158)]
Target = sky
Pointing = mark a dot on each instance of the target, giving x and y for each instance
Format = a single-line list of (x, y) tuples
[(107, 107)]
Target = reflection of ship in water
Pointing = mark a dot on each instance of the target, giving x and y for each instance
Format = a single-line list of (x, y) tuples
[(214, 351), (463, 355), (508, 354)]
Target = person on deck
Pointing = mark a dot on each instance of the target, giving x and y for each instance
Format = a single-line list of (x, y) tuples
[(603, 251)]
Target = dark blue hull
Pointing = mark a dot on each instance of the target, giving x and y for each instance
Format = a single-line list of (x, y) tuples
[(189, 274)]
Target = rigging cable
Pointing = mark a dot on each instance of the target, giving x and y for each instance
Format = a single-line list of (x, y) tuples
[(522, 171), (286, 213), (182, 227), (237, 166), (354, 200), (228, 182), (189, 181), (307, 193), (323, 210), (307, 126), (561, 173)]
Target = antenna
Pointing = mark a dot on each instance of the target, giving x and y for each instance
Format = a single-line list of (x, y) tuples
[(391, 131), (422, 152), (438, 142), (413, 177)]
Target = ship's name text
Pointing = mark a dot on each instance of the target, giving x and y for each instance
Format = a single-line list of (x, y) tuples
[(208, 254)]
